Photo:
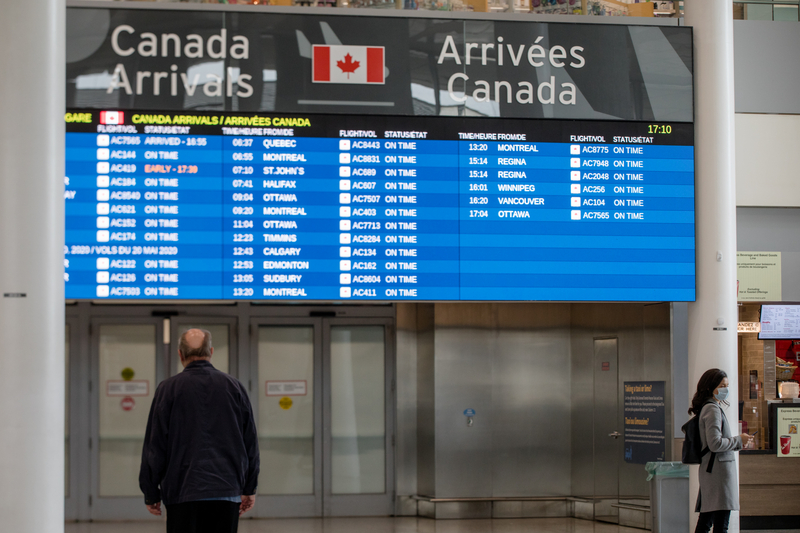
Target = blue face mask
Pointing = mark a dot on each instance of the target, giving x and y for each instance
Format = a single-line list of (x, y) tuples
[(722, 394)]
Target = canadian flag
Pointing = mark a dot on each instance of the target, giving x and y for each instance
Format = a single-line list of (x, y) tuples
[(347, 64), (111, 117)]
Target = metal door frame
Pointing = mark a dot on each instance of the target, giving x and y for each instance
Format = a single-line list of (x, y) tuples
[(361, 504), (78, 421), (233, 339), (121, 507), (291, 505)]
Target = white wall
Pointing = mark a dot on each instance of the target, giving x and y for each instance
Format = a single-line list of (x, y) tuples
[(767, 160)]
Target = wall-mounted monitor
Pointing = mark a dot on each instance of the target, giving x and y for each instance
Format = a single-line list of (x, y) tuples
[(780, 322)]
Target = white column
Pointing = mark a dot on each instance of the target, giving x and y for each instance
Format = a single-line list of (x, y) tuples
[(711, 346), (32, 66)]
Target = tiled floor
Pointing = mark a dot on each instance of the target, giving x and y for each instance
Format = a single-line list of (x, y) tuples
[(377, 525)]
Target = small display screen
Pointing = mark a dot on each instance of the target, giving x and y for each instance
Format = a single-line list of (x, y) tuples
[(218, 206), (780, 322)]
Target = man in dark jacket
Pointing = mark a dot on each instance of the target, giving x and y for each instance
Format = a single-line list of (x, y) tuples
[(200, 452)]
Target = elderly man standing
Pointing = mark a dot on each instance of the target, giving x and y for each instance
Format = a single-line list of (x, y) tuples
[(200, 452)]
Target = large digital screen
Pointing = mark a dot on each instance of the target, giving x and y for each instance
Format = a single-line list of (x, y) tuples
[(212, 205)]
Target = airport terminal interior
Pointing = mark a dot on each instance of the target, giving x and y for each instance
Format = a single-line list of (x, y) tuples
[(453, 249)]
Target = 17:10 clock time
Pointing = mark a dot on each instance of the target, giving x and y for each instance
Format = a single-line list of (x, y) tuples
[(664, 129)]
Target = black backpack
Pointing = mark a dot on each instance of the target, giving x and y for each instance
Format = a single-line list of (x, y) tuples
[(693, 451)]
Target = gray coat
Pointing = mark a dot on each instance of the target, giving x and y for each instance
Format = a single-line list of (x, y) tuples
[(719, 490)]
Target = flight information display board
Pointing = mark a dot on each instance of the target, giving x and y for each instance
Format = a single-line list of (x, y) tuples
[(216, 206)]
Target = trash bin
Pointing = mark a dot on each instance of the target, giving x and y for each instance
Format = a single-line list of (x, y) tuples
[(669, 496)]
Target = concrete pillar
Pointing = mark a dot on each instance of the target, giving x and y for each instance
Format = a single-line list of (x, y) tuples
[(713, 317), (32, 63)]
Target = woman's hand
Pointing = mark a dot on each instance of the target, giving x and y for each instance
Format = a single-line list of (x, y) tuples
[(746, 439)]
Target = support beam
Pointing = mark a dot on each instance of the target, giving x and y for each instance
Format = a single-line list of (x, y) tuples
[(32, 37), (713, 317)]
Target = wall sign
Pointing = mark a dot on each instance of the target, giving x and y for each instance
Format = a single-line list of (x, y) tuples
[(645, 421), (140, 387), (287, 388), (788, 439), (759, 276), (228, 61)]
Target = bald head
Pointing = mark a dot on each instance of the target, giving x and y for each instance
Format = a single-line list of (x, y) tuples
[(195, 344)]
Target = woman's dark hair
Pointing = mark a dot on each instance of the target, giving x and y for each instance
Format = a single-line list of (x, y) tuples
[(709, 381)]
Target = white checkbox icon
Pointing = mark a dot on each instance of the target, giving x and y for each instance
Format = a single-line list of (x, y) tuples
[(344, 251), (344, 197), (103, 277), (344, 158), (575, 162), (576, 214), (344, 279), (103, 208), (344, 225), (103, 167), (103, 263), (576, 201), (344, 185), (344, 172), (575, 175), (344, 238), (344, 264), (103, 181), (103, 153), (103, 140), (103, 222), (102, 235), (575, 188), (102, 291), (344, 211), (103, 195), (344, 292), (575, 149), (344, 144)]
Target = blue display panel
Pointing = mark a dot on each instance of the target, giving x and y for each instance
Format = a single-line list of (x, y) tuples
[(320, 208)]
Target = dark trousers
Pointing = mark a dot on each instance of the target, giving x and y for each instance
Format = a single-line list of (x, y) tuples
[(214, 516), (719, 519)]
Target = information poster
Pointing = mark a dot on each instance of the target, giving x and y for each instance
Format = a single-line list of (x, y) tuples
[(758, 276), (645, 422), (788, 439)]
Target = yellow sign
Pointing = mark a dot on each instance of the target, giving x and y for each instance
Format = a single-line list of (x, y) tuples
[(285, 402), (759, 276), (127, 373)]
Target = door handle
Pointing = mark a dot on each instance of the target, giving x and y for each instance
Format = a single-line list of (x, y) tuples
[(616, 434)]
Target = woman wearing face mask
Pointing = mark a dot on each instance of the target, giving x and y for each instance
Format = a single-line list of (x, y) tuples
[(719, 489)]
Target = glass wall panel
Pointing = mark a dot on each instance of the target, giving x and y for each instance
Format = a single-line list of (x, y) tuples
[(758, 12), (127, 383), (286, 409), (220, 340), (785, 13), (358, 426)]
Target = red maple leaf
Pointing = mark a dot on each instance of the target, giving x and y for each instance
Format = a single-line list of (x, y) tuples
[(348, 65)]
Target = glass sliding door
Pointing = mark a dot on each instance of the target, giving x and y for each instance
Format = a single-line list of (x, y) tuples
[(325, 416), (286, 397), (128, 359)]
